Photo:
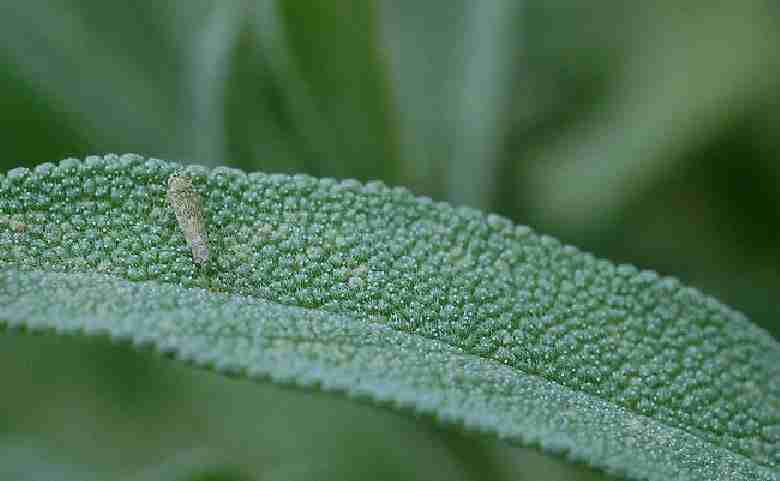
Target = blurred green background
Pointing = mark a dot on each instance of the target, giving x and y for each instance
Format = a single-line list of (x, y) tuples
[(646, 133)]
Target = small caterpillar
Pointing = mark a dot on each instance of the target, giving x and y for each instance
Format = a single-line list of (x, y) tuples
[(189, 213)]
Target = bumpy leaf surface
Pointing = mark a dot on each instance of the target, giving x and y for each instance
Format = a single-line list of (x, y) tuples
[(370, 291)]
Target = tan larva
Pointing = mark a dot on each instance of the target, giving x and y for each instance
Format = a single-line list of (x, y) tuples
[(189, 213)]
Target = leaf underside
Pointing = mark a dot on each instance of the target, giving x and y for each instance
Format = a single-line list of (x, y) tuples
[(367, 290)]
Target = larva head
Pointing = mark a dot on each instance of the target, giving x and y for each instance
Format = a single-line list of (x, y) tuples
[(179, 184)]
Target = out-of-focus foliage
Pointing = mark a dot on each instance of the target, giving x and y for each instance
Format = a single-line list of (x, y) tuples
[(647, 133)]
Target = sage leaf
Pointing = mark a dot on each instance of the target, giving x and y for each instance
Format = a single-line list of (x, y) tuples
[(370, 291)]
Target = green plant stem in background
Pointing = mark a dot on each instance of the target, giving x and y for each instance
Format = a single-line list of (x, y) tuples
[(367, 290)]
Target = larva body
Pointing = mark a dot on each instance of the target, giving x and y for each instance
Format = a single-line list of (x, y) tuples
[(186, 204)]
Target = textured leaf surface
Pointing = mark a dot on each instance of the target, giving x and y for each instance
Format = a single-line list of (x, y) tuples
[(368, 290)]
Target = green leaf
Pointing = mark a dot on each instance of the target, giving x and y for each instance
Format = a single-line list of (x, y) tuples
[(79, 58), (259, 82), (23, 460), (336, 65), (453, 71), (367, 290), (678, 92), (125, 411)]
